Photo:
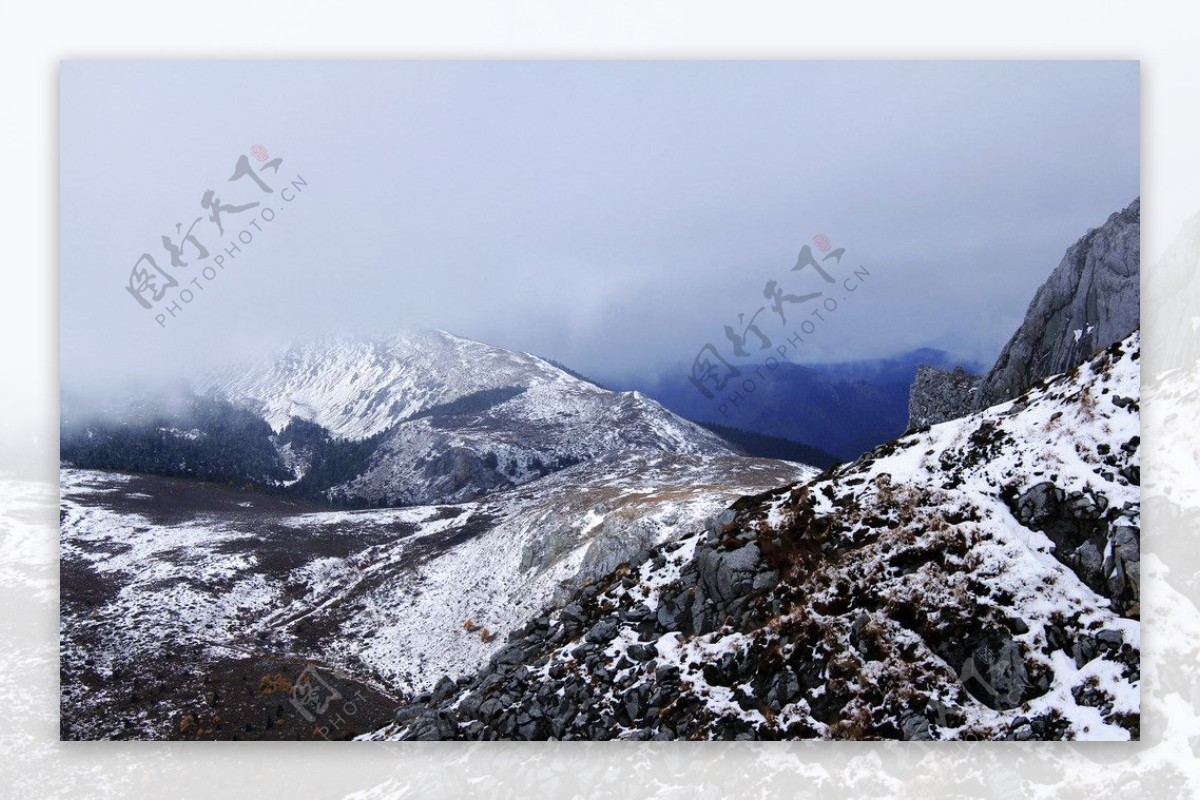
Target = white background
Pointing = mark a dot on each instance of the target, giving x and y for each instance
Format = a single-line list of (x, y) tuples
[(35, 37)]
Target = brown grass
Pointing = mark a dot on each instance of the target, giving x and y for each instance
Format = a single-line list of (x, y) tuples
[(272, 683)]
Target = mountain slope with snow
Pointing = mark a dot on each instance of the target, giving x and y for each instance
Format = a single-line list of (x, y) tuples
[(974, 580), (455, 418), (159, 571)]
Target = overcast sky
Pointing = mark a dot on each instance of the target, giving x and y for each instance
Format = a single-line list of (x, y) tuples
[(614, 216)]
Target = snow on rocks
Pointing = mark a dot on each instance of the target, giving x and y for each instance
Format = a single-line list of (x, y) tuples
[(973, 580), (394, 597)]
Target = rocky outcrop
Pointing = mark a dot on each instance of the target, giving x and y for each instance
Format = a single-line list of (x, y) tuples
[(1097, 542), (1091, 300), (939, 395)]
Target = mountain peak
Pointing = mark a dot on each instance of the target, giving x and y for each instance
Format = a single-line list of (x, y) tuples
[(360, 385), (455, 417)]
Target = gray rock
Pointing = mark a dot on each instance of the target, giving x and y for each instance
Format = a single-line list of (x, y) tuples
[(667, 614), (1038, 503), (727, 575), (443, 690), (715, 524), (997, 674), (408, 713), (509, 655), (603, 631), (572, 613), (939, 395), (637, 614), (784, 689), (642, 652), (1091, 300), (433, 726), (1085, 650), (491, 709), (470, 705), (1086, 505), (1023, 732), (1126, 542), (916, 727), (765, 580), (666, 674), (1090, 562), (1122, 566)]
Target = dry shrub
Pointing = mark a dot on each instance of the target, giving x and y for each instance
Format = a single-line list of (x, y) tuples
[(272, 683)]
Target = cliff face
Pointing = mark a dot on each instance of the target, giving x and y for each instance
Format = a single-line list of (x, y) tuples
[(1091, 300), (939, 395)]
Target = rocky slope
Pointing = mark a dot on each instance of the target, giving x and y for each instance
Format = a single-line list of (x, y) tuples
[(452, 419), (174, 591), (1091, 300), (973, 580)]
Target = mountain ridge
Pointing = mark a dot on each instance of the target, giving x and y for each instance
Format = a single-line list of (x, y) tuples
[(456, 418)]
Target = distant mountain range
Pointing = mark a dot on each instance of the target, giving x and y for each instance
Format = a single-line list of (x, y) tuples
[(429, 417), (841, 408)]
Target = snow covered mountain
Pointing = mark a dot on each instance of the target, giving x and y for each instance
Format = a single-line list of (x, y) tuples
[(974, 580), (449, 419), (569, 563)]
